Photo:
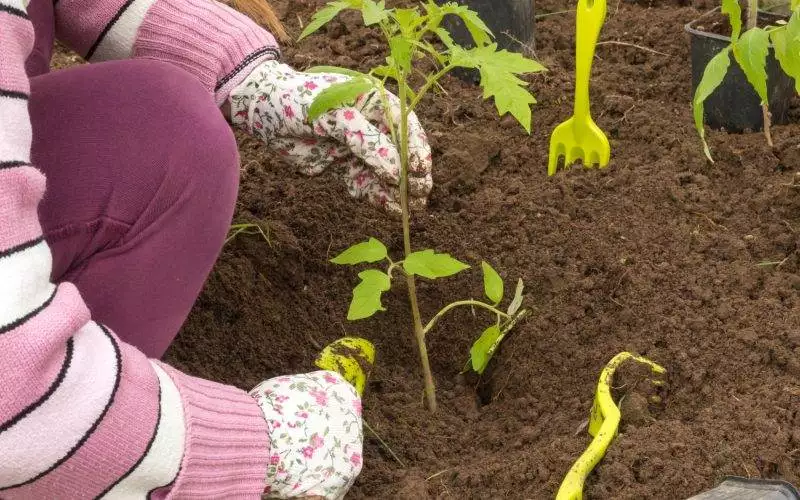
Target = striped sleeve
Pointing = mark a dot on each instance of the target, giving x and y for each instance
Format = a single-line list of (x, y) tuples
[(210, 40), (82, 414)]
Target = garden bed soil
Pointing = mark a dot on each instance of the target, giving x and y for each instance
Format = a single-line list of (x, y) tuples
[(691, 264)]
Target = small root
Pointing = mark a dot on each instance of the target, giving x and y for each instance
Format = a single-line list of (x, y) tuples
[(437, 474), (709, 219), (311, 340), (635, 46), (383, 443)]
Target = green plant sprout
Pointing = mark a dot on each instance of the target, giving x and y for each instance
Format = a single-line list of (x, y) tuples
[(750, 50), (247, 228), (414, 34), (367, 295)]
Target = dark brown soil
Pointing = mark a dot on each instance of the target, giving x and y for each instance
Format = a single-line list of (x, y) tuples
[(691, 264)]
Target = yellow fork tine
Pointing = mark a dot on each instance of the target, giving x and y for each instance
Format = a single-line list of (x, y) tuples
[(557, 150), (574, 154), (593, 159)]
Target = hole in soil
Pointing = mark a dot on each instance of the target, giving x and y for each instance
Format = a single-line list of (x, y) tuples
[(484, 391), (483, 386)]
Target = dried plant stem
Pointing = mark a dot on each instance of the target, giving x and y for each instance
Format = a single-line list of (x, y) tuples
[(633, 45), (383, 443)]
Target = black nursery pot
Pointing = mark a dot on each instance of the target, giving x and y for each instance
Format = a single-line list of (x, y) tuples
[(734, 105), (511, 21)]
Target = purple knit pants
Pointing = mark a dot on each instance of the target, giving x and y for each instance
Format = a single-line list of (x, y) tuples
[(142, 177)]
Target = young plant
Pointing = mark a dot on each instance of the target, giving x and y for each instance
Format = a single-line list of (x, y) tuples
[(750, 50), (429, 264), (414, 34), (247, 228)]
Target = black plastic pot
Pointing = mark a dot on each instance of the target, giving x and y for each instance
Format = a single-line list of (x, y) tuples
[(742, 488), (511, 21), (734, 105)]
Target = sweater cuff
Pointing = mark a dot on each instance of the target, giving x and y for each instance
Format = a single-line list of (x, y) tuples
[(212, 41), (227, 443)]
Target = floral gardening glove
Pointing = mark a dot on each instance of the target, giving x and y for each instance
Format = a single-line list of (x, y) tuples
[(314, 424), (273, 102)]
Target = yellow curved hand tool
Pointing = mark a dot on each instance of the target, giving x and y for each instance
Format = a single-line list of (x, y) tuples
[(579, 138), (350, 357), (603, 424)]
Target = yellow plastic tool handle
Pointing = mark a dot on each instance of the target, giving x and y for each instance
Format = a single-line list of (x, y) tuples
[(603, 425), (590, 16)]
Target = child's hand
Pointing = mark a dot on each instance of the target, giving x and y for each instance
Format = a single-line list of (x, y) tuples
[(273, 103), (314, 424)]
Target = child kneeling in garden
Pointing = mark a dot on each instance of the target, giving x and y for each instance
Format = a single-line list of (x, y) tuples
[(117, 188)]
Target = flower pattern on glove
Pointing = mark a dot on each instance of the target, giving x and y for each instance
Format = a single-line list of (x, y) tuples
[(273, 103), (314, 424)]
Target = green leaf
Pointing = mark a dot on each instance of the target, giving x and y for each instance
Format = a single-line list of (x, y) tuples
[(498, 70), (324, 16), (793, 32), (446, 38), (346, 72), (385, 71), (367, 294), (483, 349), (373, 12), (401, 51), (786, 41), (713, 75), (337, 95), (431, 50), (432, 265), (474, 24), (492, 283), (371, 250), (751, 53), (407, 20), (516, 302), (733, 10), (337, 70)]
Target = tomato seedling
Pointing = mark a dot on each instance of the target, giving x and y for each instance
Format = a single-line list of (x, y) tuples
[(414, 34), (750, 50)]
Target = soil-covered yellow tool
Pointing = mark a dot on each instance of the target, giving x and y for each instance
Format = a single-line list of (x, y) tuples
[(579, 138), (350, 357), (603, 425)]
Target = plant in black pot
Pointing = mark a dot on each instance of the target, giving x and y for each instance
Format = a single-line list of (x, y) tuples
[(754, 92), (512, 22)]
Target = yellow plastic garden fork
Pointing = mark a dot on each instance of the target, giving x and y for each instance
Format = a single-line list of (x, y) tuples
[(580, 137)]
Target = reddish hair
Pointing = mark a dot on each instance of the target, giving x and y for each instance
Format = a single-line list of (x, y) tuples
[(261, 12)]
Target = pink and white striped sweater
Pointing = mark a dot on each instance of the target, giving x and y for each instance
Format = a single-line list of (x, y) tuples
[(82, 414)]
